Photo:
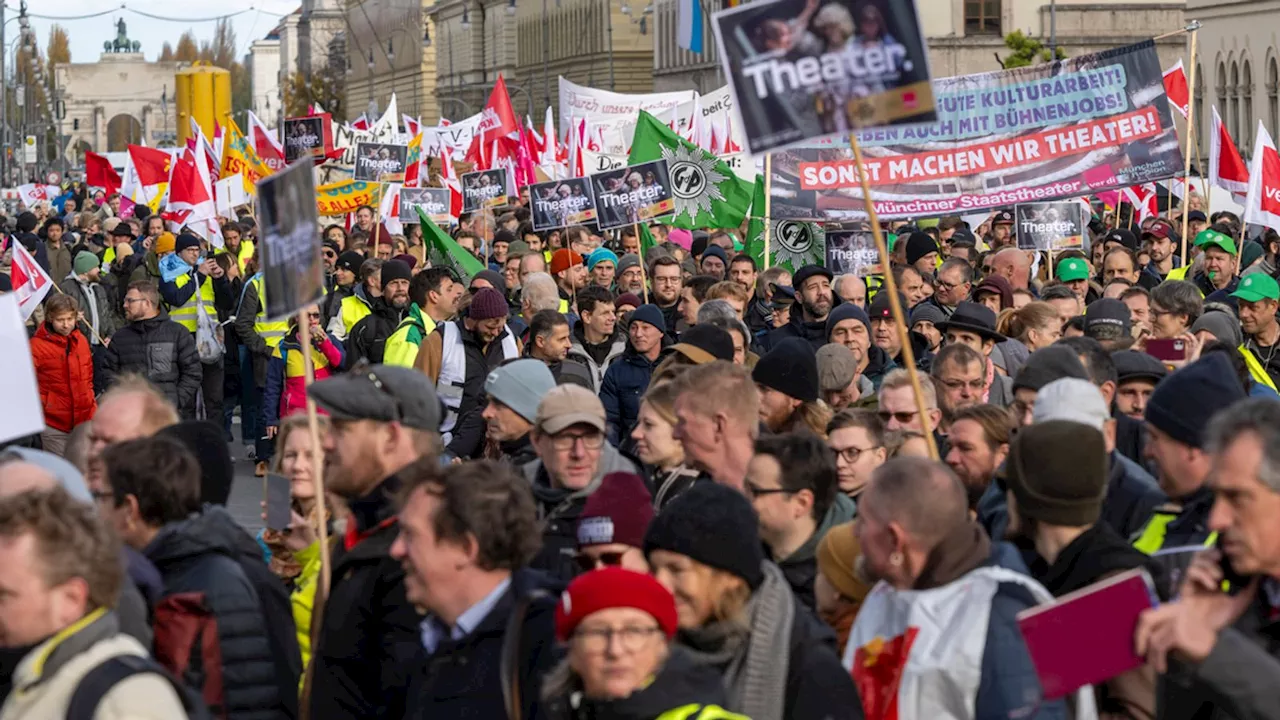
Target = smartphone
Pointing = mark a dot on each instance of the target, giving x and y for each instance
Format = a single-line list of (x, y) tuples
[(279, 502), (1167, 349), (1232, 581)]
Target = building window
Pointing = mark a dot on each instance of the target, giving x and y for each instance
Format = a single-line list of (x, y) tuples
[(982, 17), (1220, 90), (1273, 95), (1233, 103), (1246, 108)]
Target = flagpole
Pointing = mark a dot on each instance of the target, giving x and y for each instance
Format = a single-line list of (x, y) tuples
[(92, 329), (644, 276), (899, 316), (768, 205), (1191, 122), (317, 476)]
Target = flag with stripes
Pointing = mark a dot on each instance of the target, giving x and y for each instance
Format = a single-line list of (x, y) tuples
[(689, 25)]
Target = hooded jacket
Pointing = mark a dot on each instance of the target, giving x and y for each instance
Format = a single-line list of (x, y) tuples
[(64, 373), (163, 352), (681, 689), (578, 351), (878, 365), (91, 297), (815, 332), (801, 566)]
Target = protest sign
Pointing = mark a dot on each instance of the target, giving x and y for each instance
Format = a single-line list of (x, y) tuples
[(310, 136), (484, 189), (633, 194), (292, 264), (1050, 226), (562, 203), (852, 250), (434, 203), (798, 70), (381, 162), (347, 196), (23, 414), (229, 194), (611, 109), (1029, 134)]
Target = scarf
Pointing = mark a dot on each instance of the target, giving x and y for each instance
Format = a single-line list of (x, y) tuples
[(961, 550), (172, 267), (753, 654)]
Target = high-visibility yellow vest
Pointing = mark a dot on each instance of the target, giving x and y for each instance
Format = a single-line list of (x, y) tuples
[(271, 332), (1256, 369), (108, 257), (1151, 539), (1178, 273), (564, 306), (353, 311), (243, 255), (186, 314), (700, 712)]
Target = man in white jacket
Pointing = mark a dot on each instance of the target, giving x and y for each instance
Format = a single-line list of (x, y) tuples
[(62, 578)]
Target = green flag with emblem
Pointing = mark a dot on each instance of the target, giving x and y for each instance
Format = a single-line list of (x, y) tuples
[(755, 226), (706, 191), (792, 243), (444, 251), (647, 240)]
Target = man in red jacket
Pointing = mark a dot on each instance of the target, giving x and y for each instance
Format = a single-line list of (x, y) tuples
[(64, 372)]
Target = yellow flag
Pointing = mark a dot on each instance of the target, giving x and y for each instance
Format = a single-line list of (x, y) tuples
[(239, 157)]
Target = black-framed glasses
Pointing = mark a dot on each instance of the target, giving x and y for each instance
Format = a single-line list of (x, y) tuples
[(598, 640), (588, 563), (756, 491), (851, 454), (364, 368)]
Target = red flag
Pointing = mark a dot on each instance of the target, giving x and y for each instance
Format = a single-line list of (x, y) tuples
[(30, 282), (1226, 168), (265, 144), (1175, 86), (1263, 204), (99, 173), (152, 165), (361, 123), (1144, 200), (498, 119)]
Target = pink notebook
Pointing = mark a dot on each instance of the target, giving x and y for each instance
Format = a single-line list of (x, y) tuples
[(1086, 637)]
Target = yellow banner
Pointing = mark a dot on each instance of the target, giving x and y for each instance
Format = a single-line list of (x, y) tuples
[(239, 157), (347, 196)]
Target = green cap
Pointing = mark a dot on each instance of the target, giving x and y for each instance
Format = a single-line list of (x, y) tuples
[(1072, 269), (1257, 286), (1209, 236)]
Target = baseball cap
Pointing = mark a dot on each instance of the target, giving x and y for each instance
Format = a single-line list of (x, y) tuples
[(1071, 399), (383, 393), (1257, 286), (1124, 236), (1160, 228), (568, 405), (1002, 217), (1072, 269), (1107, 319), (1209, 236)]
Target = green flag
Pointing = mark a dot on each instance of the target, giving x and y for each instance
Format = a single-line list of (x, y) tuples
[(706, 191), (647, 240), (755, 226), (443, 251)]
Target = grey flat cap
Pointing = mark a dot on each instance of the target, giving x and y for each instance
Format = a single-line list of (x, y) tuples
[(381, 392)]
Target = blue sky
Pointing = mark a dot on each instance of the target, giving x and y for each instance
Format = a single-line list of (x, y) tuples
[(88, 35)]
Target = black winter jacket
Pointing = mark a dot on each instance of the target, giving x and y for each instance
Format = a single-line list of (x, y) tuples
[(468, 434), (206, 575), (462, 679), (369, 645), (246, 315), (680, 683), (164, 353), (623, 386), (368, 338), (814, 332)]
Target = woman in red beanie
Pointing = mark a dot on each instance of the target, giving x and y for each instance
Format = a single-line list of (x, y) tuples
[(621, 664)]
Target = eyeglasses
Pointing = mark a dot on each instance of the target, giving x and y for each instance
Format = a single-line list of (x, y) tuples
[(944, 285), (591, 562), (901, 417), (598, 640), (756, 492), (130, 301), (591, 441), (851, 454)]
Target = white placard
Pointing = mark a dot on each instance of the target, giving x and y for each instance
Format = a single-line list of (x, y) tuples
[(23, 414)]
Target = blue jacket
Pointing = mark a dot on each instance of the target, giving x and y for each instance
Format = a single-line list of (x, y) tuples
[(624, 384), (1132, 495)]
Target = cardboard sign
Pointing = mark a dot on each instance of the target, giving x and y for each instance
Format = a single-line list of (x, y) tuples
[(485, 189), (434, 202), (292, 263), (23, 415), (310, 136), (1050, 225), (633, 194), (381, 162), (800, 70), (562, 203), (852, 250)]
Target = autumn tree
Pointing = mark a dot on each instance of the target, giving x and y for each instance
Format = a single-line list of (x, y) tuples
[(326, 87), (59, 48), (166, 52), (187, 50)]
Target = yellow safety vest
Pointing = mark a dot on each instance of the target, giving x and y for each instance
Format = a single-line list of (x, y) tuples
[(242, 257), (107, 258), (564, 307), (700, 712), (1151, 539), (186, 314), (353, 310), (1256, 369), (1178, 273), (271, 332)]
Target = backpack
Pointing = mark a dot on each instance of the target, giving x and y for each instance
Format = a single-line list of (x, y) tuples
[(101, 679)]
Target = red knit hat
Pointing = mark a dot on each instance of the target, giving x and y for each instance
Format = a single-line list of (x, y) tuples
[(618, 511), (487, 304), (614, 587), (563, 259)]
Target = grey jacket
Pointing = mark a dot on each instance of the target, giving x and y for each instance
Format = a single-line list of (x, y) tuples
[(579, 353)]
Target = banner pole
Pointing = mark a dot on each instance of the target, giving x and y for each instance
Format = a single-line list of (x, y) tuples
[(768, 206), (377, 218), (82, 318), (1191, 123), (317, 476), (644, 274), (899, 316)]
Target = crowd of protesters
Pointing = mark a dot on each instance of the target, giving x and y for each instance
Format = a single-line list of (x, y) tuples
[(586, 484)]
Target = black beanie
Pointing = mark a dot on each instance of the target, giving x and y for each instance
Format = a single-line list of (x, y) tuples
[(205, 441), (919, 244), (395, 270), (1183, 403), (1057, 471), (847, 311), (1048, 364), (714, 525), (791, 368)]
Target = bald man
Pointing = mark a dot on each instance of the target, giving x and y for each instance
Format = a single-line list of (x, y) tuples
[(1014, 265), (19, 476), (133, 408)]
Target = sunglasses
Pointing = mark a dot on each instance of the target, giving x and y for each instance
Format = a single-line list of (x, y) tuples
[(588, 563), (901, 417)]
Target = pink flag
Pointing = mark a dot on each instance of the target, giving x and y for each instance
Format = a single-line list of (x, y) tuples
[(30, 282)]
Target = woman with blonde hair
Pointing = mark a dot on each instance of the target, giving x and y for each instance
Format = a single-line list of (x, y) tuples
[(661, 453), (1036, 325)]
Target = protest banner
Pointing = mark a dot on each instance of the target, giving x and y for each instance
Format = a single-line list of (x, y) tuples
[(228, 195), (794, 244), (633, 194), (1050, 226), (485, 189), (798, 70), (562, 203), (23, 415), (1030, 134), (852, 250), (381, 162), (290, 246), (310, 136), (612, 109), (346, 196), (434, 203)]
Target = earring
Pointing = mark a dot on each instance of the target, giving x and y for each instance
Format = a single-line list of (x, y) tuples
[(895, 558)]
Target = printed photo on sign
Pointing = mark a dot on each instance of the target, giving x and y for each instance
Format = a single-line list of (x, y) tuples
[(484, 189), (851, 249), (633, 194), (433, 201), (803, 69), (380, 162), (292, 263), (307, 137), (562, 203), (1050, 226)]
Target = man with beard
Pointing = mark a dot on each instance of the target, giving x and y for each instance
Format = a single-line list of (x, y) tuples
[(369, 337), (959, 373), (570, 274), (156, 348), (369, 643), (849, 325), (1162, 241), (630, 279), (787, 380), (979, 441), (884, 333), (668, 282), (549, 342), (813, 294), (1137, 375), (513, 392)]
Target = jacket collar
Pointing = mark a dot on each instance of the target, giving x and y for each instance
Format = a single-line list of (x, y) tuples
[(377, 506), (50, 656)]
